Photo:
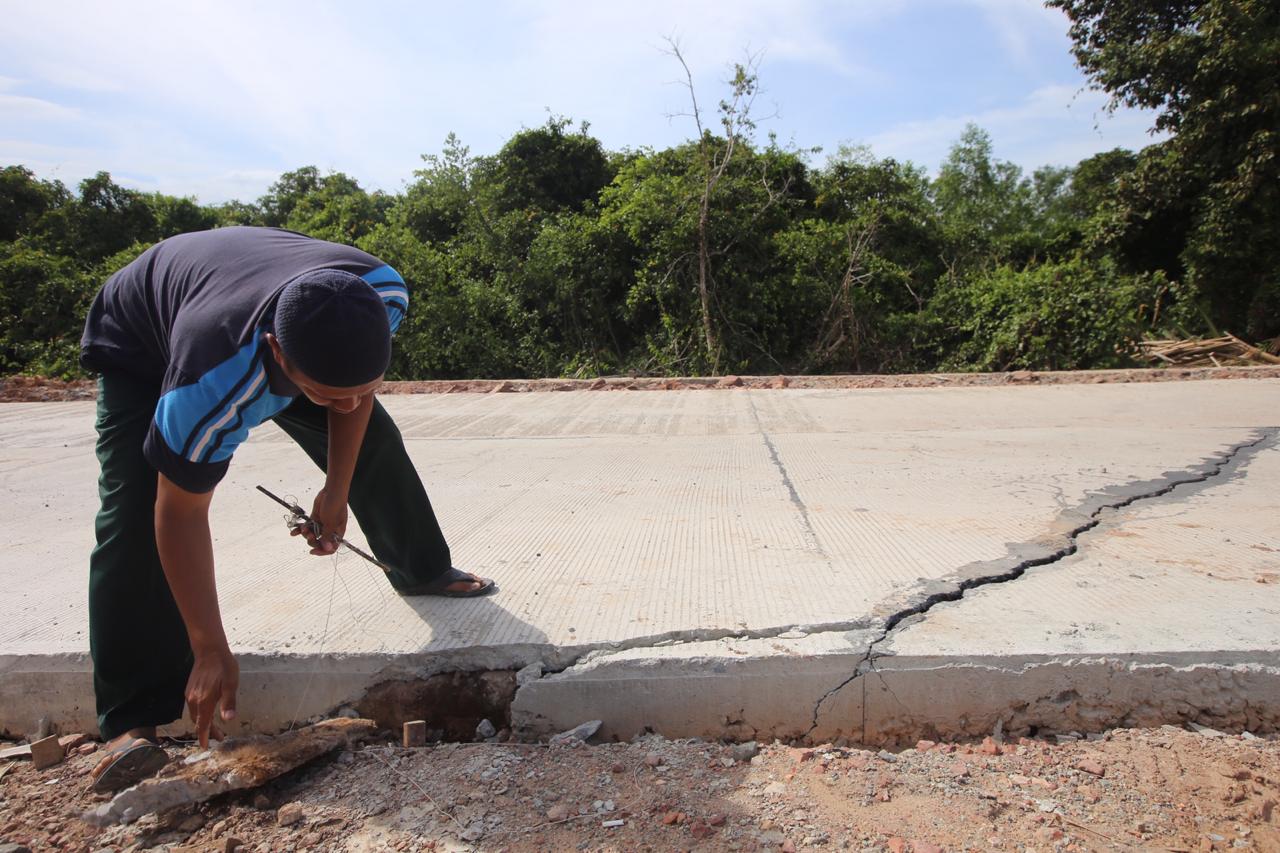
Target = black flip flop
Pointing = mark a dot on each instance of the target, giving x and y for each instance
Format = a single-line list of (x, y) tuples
[(440, 586), (130, 766)]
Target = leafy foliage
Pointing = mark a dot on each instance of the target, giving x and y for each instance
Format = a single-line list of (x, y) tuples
[(728, 254), (1211, 70)]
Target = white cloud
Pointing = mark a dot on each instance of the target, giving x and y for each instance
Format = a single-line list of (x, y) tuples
[(209, 97), (1054, 125), (20, 108)]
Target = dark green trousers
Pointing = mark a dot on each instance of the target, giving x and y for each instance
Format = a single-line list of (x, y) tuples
[(141, 654)]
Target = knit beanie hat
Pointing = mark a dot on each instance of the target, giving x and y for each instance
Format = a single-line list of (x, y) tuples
[(333, 326)]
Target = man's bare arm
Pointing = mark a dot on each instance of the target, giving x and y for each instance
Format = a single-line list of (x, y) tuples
[(186, 553)]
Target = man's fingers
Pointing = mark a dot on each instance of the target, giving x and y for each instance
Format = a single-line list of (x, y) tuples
[(228, 700), (203, 721)]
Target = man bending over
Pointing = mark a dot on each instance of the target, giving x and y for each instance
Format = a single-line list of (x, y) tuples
[(203, 337)]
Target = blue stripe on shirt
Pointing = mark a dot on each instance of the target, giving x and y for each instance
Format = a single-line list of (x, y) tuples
[(394, 292), (206, 420)]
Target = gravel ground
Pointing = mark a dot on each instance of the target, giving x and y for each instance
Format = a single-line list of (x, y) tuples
[(1163, 789), (27, 389)]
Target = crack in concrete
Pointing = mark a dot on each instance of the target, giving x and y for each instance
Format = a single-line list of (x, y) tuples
[(1093, 510), (810, 533)]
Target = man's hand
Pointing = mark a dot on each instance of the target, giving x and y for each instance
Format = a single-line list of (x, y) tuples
[(213, 682), (328, 524)]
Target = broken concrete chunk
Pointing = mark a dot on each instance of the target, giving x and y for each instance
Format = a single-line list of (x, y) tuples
[(485, 730), (234, 765), (582, 732), (532, 672), (47, 752), (415, 733)]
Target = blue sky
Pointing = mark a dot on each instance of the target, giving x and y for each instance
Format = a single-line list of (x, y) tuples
[(216, 99)]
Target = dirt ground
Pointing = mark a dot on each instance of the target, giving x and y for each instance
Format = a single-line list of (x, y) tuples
[(1165, 789), (24, 389)]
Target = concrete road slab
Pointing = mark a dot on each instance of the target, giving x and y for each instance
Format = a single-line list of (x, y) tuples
[(617, 521)]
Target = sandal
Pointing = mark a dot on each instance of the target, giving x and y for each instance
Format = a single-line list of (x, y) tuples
[(132, 762), (440, 586)]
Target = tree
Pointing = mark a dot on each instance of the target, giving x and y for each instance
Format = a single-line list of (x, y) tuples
[(985, 205), (179, 215), (1211, 70), (547, 169), (24, 200)]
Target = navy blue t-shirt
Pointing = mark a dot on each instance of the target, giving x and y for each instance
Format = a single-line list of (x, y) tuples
[(192, 312)]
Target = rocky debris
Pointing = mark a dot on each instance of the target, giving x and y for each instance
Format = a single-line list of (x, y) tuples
[(1163, 789), (28, 389), (581, 732), (234, 765), (47, 752), (485, 730)]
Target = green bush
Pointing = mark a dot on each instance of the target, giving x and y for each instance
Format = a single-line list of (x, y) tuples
[(1073, 315)]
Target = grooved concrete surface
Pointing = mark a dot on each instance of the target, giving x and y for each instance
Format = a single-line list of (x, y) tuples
[(795, 523)]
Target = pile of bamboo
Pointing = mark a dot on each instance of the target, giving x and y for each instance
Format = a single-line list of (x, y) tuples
[(1226, 351)]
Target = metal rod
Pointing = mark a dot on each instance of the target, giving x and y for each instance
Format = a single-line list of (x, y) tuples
[(300, 515)]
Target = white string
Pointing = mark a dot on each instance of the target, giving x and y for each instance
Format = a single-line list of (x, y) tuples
[(361, 624), (324, 635)]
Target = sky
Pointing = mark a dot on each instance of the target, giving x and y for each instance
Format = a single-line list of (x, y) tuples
[(216, 98)]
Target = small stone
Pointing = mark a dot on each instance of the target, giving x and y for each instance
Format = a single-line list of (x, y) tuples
[(670, 818), (886, 755), (989, 746), (774, 789), (926, 847), (700, 830), (716, 820), (87, 748), (925, 745), (557, 812), (744, 751), (261, 803), (730, 382), (652, 759), (582, 732), (617, 767), (70, 742), (897, 845), (485, 730), (788, 846), (415, 733), (474, 832), (959, 770), (1088, 765), (1019, 779), (289, 814), (231, 844)]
